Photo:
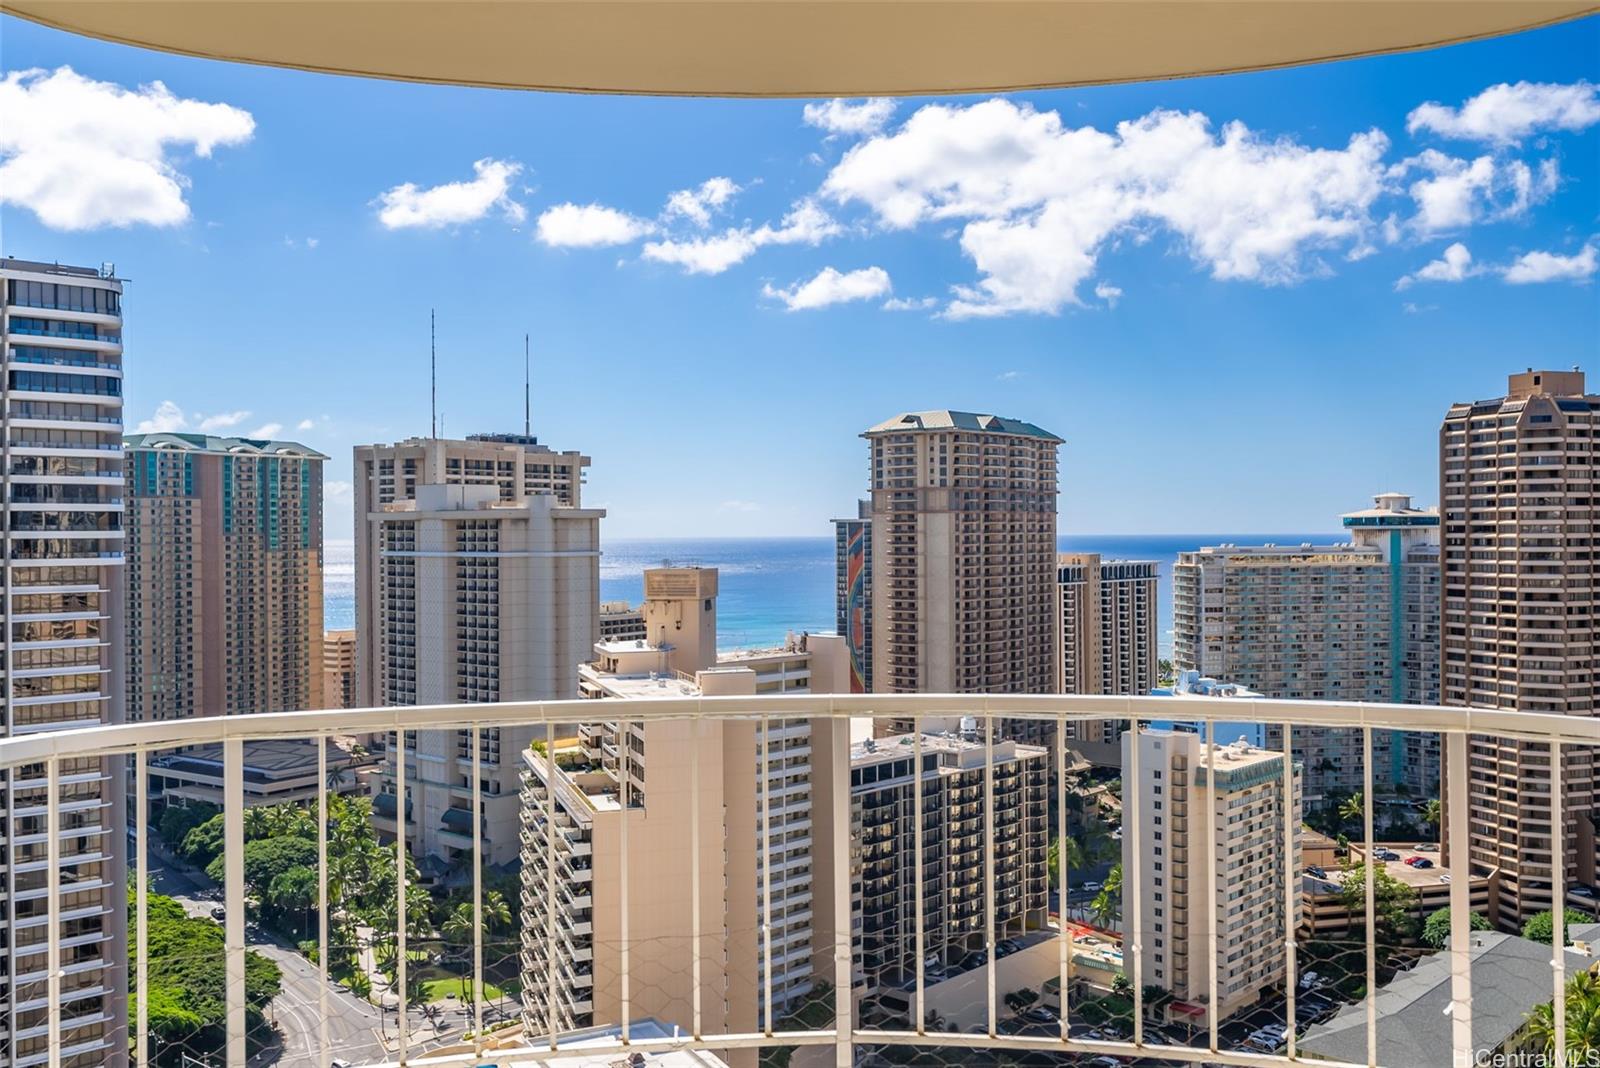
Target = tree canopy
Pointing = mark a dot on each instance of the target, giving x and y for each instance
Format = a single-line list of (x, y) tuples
[(1436, 928)]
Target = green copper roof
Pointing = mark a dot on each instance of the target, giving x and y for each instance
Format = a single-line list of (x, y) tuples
[(212, 443), (945, 419)]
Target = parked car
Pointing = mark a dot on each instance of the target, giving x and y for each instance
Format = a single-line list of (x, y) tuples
[(1006, 946), (1320, 873), (1039, 1014), (1386, 854), (1584, 892), (219, 913), (1091, 888), (1310, 981), (1419, 862)]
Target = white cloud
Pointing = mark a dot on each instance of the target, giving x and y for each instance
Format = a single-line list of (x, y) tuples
[(1038, 200), (910, 303), (696, 205), (589, 226), (1460, 193), (738, 506), (210, 424), (168, 418), (312, 242), (336, 489), (850, 118), (832, 287), (1505, 114), (81, 153), (266, 430), (1552, 267), (306, 424), (454, 203), (1008, 376), (1108, 293), (806, 223), (1454, 266)]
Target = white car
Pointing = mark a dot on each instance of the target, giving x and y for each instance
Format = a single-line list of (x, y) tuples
[(1584, 891)]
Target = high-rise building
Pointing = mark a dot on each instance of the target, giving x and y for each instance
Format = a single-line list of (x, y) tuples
[(61, 341), (620, 622), (852, 550), (480, 598), (339, 668), (1348, 621), (1240, 789), (884, 779), (224, 576), (515, 464), (1106, 619), (748, 839), (1520, 490), (963, 556)]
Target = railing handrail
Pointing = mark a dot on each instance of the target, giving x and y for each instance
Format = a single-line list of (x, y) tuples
[(125, 738)]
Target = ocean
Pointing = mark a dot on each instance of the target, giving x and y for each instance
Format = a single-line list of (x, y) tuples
[(769, 587)]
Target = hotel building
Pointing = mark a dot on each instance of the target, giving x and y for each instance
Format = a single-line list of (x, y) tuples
[(224, 576), (884, 780), (516, 465), (339, 668), (623, 809), (480, 599), (1106, 618), (963, 556), (1520, 486), (852, 551), (61, 341), (1239, 790), (620, 622), (1349, 621)]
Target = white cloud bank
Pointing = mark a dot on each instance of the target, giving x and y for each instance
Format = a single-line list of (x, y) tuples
[(1552, 267), (847, 118), (589, 226), (453, 203), (82, 154), (806, 223), (1459, 193), (1506, 114), (1454, 265), (696, 205), (1038, 200), (832, 287)]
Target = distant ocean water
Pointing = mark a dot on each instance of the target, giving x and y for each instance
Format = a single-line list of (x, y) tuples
[(768, 587)]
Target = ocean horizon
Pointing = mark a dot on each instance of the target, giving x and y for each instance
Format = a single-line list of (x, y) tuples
[(771, 587)]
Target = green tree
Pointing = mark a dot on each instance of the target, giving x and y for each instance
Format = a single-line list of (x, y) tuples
[(1353, 809), (1541, 926), (1436, 928), (1107, 904), (267, 858), (1582, 1020), (291, 897), (1431, 815), (187, 967), (178, 820), (203, 843), (1394, 903)]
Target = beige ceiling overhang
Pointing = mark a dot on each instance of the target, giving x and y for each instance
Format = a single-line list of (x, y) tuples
[(790, 47)]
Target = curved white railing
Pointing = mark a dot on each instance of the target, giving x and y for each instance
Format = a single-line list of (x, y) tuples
[(139, 741)]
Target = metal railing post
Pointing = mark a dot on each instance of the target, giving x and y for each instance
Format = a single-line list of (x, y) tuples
[(1209, 767), (551, 899), (233, 896), (843, 969), (1457, 816), (1133, 881), (624, 796), (52, 827), (766, 873), (1063, 929), (141, 909), (1291, 888), (402, 1024), (1370, 882), (475, 735), (1558, 906), (696, 999), (918, 917), (325, 1052), (988, 867)]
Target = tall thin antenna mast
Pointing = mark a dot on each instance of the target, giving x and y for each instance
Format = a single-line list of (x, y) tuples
[(527, 402), (433, 375)]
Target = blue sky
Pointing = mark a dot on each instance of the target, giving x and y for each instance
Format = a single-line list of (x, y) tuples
[(1233, 327)]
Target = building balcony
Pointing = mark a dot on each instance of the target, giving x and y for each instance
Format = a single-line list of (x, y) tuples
[(992, 891)]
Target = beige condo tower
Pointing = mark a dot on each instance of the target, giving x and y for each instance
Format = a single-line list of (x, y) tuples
[(1520, 489)]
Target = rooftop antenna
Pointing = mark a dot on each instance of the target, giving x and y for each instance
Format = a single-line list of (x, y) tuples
[(433, 374), (527, 403)]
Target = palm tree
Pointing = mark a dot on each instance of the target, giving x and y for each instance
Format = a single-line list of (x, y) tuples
[(457, 931), (1354, 808), (1107, 905), (1431, 814), (1583, 1019)]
